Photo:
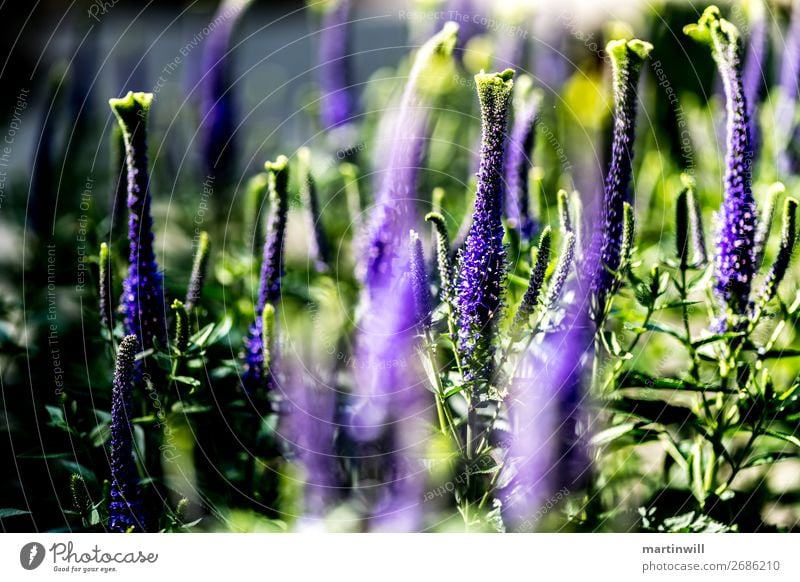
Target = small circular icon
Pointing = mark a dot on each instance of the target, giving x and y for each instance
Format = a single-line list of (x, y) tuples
[(31, 555)]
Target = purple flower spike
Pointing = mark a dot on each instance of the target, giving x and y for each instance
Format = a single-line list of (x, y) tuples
[(605, 253), (125, 512), (419, 281), (519, 163), (338, 101), (735, 260), (217, 107), (254, 376), (482, 265), (143, 293)]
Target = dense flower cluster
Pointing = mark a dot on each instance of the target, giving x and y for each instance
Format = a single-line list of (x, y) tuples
[(482, 265), (605, 251), (125, 512), (143, 292), (735, 258), (255, 376), (419, 281)]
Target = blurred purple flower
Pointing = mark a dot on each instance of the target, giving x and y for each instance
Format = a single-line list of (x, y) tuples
[(518, 163), (254, 377), (405, 132), (143, 293), (388, 404), (735, 259), (217, 107), (754, 72), (466, 14), (307, 425), (125, 512), (482, 265), (548, 453), (604, 255), (338, 101), (790, 64), (789, 82)]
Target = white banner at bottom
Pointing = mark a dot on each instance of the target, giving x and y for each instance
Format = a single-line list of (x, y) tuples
[(390, 557)]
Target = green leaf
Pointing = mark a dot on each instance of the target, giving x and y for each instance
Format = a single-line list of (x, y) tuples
[(634, 379), (696, 464), (657, 327), (718, 337), (191, 409), (616, 348), (100, 434), (769, 458), (201, 338), (610, 434), (656, 411), (57, 418), (679, 303), (188, 380), (789, 438), (221, 330), (6, 512)]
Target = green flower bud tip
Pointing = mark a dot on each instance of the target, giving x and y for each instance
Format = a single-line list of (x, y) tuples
[(501, 82), (444, 43), (767, 215), (445, 265), (181, 326), (789, 233), (267, 334), (280, 165), (80, 494), (441, 45), (628, 233), (561, 273), (713, 30), (784, 256), (530, 301), (682, 211), (636, 49), (437, 198), (278, 172), (132, 103), (564, 211), (105, 287), (181, 510), (199, 266)]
